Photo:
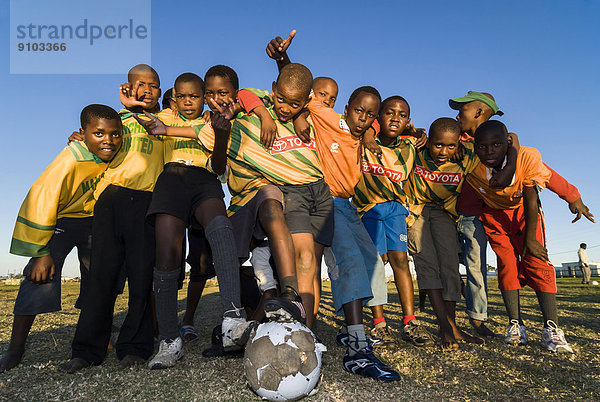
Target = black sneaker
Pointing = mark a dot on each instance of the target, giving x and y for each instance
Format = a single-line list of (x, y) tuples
[(366, 364), (287, 307)]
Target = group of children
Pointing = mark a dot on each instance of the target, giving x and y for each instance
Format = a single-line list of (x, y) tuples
[(359, 189)]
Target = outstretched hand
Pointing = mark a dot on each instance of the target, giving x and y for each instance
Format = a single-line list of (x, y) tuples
[(277, 47), (128, 95), (579, 208), (153, 126)]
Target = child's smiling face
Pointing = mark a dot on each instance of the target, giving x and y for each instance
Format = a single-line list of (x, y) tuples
[(220, 89)]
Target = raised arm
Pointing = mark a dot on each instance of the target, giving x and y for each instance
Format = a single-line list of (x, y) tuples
[(277, 47)]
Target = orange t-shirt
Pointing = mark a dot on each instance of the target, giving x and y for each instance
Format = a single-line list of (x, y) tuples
[(338, 151), (530, 172)]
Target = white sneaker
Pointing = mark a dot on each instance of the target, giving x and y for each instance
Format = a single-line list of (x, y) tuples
[(553, 338), (168, 354), (236, 332), (516, 334)]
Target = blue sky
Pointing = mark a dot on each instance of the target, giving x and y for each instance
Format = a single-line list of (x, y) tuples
[(539, 59)]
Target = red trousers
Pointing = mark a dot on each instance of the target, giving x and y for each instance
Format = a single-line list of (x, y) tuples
[(506, 233)]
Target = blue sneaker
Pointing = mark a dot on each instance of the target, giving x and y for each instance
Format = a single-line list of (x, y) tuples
[(366, 364)]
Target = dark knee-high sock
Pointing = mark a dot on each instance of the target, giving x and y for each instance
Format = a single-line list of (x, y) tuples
[(511, 302), (165, 293), (548, 306), (219, 234)]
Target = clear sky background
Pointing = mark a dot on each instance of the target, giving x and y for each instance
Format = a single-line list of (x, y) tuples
[(540, 59)]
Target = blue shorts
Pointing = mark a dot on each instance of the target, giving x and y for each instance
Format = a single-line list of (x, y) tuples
[(359, 273), (386, 224)]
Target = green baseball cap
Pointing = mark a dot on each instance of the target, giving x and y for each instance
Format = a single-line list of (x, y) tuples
[(473, 96)]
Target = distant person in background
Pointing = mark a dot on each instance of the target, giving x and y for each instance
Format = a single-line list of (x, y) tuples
[(584, 264)]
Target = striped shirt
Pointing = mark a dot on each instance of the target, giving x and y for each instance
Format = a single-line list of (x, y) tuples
[(383, 178), (441, 185), (289, 162), (64, 190)]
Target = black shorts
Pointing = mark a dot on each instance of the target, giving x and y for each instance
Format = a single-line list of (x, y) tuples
[(180, 189), (199, 256), (309, 209)]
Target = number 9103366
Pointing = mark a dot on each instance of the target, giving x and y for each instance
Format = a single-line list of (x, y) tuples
[(42, 47)]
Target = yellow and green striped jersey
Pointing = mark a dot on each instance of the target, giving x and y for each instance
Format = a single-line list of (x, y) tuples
[(441, 185), (64, 190), (382, 178), (290, 161), (139, 161), (185, 150)]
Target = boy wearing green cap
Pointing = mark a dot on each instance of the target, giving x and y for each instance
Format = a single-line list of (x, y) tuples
[(474, 109)]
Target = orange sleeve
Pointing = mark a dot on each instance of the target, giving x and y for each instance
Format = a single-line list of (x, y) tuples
[(561, 187), (249, 100), (376, 127), (535, 172)]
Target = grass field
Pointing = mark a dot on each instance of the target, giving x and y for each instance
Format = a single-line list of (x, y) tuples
[(493, 371)]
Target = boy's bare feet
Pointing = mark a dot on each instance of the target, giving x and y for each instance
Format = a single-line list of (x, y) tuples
[(481, 328), (130, 361), (73, 365), (10, 359), (448, 341), (462, 336)]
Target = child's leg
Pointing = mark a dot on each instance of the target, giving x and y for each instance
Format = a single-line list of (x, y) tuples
[(512, 305), (201, 270), (319, 249), (439, 308), (218, 230), (498, 226), (20, 330), (135, 343), (473, 244), (306, 271), (34, 299), (270, 215), (170, 233), (444, 235), (194, 294)]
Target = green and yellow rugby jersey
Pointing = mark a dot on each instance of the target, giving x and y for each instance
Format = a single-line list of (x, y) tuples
[(383, 178), (64, 190), (184, 150), (441, 185), (289, 161), (139, 161)]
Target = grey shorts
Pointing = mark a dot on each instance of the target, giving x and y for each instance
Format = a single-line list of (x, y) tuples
[(309, 209), (433, 244), (69, 233)]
